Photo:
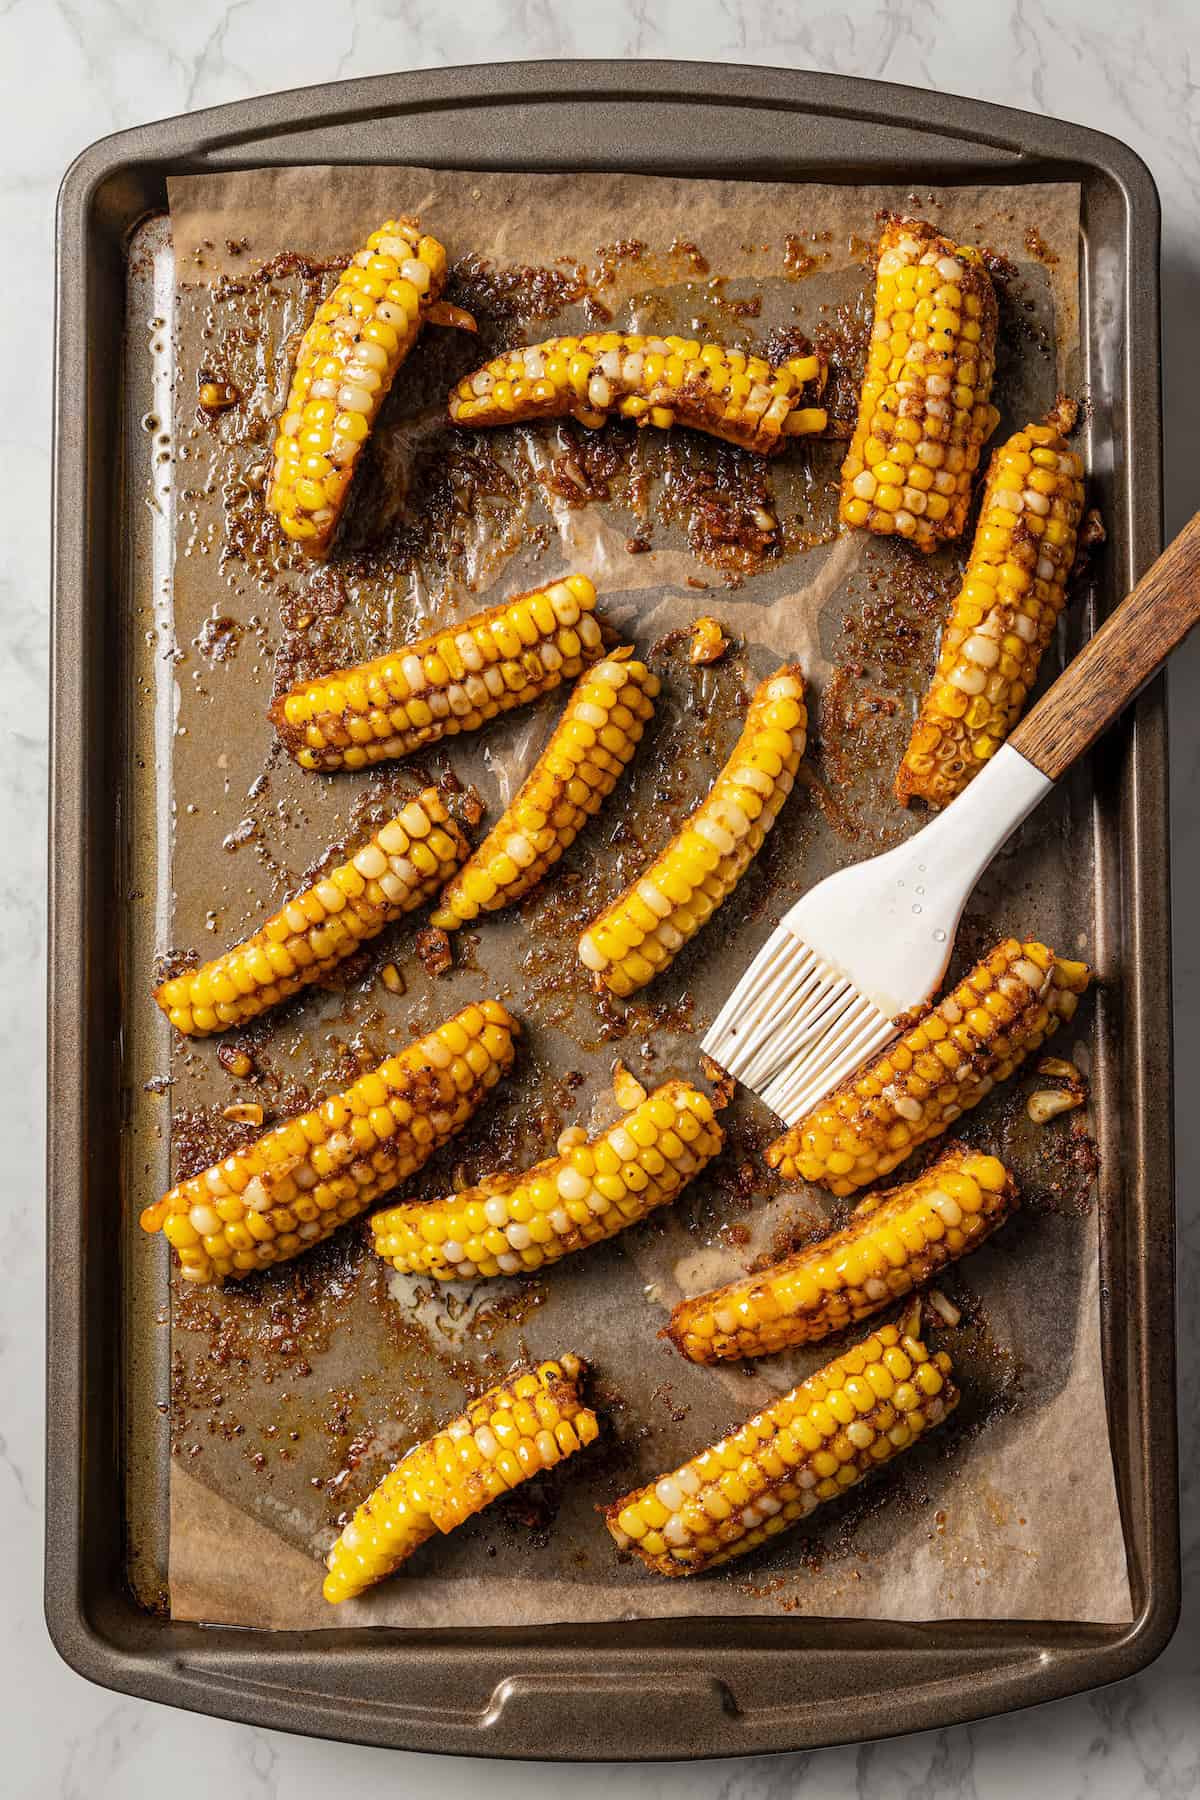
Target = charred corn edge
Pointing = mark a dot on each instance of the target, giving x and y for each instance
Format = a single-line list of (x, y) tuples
[(813, 1443), (580, 766), (401, 865), (271, 1199), (348, 359), (1004, 615), (511, 1225), (925, 407), (656, 381), (527, 1423), (893, 1243), (642, 931), (450, 681), (941, 1066)]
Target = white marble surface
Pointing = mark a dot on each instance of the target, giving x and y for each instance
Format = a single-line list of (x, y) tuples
[(72, 70)]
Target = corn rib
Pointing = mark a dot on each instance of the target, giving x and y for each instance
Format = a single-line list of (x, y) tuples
[(1004, 615), (643, 930), (513, 1224), (925, 409), (347, 361), (941, 1066), (453, 680), (655, 381), (526, 1424), (893, 1243), (401, 866), (296, 1184), (823, 1437), (580, 766)]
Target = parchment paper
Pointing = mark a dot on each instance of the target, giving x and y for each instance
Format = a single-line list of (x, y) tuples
[(293, 1393)]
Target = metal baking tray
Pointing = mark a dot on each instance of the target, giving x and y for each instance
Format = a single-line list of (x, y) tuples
[(629, 1690)]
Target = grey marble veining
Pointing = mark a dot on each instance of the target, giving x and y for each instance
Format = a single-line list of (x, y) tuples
[(72, 70)]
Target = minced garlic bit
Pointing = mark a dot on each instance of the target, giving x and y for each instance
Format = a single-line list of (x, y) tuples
[(627, 1089), (721, 1080), (243, 1112), (1047, 1103), (215, 396), (945, 1309), (709, 642), (1058, 1068), (457, 318)]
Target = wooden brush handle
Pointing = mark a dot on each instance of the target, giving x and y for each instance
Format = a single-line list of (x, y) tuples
[(1130, 646)]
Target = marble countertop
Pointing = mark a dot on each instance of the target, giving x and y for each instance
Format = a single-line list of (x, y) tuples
[(71, 72)]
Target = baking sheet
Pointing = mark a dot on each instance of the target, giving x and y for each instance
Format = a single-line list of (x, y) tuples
[(291, 1394)]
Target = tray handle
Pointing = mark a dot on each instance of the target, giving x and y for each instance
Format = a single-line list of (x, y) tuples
[(613, 1708)]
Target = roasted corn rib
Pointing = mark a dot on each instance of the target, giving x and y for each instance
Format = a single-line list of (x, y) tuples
[(280, 1195), (1004, 616), (580, 766), (925, 409), (893, 1243), (811, 1445), (528, 1423), (642, 931), (941, 1066), (657, 381), (509, 1224), (401, 866), (451, 681), (347, 361)]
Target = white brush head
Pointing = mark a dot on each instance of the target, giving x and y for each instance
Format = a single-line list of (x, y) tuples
[(794, 1027), (864, 947)]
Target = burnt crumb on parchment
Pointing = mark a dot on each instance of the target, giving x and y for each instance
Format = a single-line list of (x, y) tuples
[(231, 1345), (730, 308), (692, 255), (512, 294), (801, 255), (219, 637), (174, 962), (806, 1223), (676, 1409), (883, 654), (432, 946), (584, 471), (1038, 248)]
